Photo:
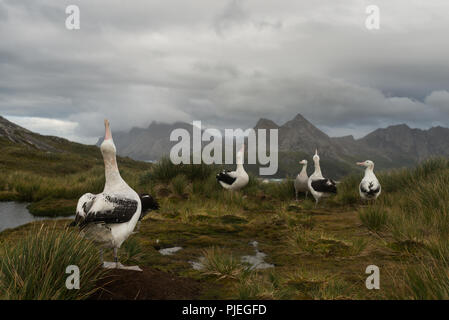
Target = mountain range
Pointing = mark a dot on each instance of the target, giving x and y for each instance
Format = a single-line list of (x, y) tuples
[(392, 147)]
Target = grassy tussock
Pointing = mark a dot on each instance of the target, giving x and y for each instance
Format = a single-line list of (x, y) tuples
[(300, 284), (374, 217), (34, 267), (302, 240), (222, 264), (284, 190), (164, 170)]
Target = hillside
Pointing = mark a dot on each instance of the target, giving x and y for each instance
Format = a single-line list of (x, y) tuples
[(24, 150), (39, 169)]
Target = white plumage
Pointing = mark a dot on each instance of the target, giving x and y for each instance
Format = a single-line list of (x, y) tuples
[(318, 185), (234, 180), (110, 217), (369, 188), (301, 181)]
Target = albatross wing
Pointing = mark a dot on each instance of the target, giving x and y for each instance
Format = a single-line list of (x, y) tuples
[(227, 177), (324, 185), (107, 209)]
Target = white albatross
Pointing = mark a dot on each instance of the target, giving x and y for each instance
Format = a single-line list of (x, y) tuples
[(234, 180), (110, 217), (369, 188), (301, 181), (318, 185)]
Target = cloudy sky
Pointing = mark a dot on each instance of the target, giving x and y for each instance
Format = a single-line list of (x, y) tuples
[(225, 62)]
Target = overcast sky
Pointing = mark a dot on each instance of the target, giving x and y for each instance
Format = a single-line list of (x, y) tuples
[(227, 63)]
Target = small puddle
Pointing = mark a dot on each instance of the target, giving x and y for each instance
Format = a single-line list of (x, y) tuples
[(169, 251), (16, 214), (257, 261), (197, 265)]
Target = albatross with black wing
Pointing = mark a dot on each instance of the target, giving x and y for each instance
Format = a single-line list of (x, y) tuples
[(234, 180), (318, 185), (110, 217)]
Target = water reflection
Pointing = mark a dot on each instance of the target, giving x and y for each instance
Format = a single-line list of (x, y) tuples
[(14, 214)]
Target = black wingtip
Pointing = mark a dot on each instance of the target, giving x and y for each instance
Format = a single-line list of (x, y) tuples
[(148, 202)]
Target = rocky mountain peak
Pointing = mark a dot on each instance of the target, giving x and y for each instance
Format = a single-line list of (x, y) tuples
[(266, 124)]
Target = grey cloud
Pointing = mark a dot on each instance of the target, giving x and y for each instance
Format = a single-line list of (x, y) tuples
[(225, 63)]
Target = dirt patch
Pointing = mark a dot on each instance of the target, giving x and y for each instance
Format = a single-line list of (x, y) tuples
[(150, 284)]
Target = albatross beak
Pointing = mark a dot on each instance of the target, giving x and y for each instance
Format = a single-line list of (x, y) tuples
[(107, 134), (360, 163)]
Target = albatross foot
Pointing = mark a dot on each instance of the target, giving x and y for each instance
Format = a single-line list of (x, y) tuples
[(118, 265)]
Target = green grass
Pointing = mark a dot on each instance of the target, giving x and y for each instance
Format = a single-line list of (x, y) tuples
[(179, 184), (318, 253), (41, 177), (164, 170), (34, 267), (373, 217), (221, 264)]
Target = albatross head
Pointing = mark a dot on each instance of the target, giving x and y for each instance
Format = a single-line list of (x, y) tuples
[(367, 164), (303, 162), (108, 146)]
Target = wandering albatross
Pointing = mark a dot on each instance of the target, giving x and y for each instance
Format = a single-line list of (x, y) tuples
[(110, 217), (301, 181), (318, 185), (369, 187), (234, 180)]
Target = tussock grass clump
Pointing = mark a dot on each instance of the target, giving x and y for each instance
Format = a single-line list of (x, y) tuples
[(132, 251), (302, 240), (348, 190), (258, 286), (284, 190), (34, 267), (395, 180), (375, 218), (429, 279), (222, 264), (179, 185), (164, 170)]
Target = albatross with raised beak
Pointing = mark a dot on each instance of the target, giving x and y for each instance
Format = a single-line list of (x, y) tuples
[(318, 185), (110, 217)]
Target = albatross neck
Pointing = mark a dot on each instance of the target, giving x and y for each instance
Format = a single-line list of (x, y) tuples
[(240, 162), (369, 171), (240, 168), (112, 174), (317, 168)]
